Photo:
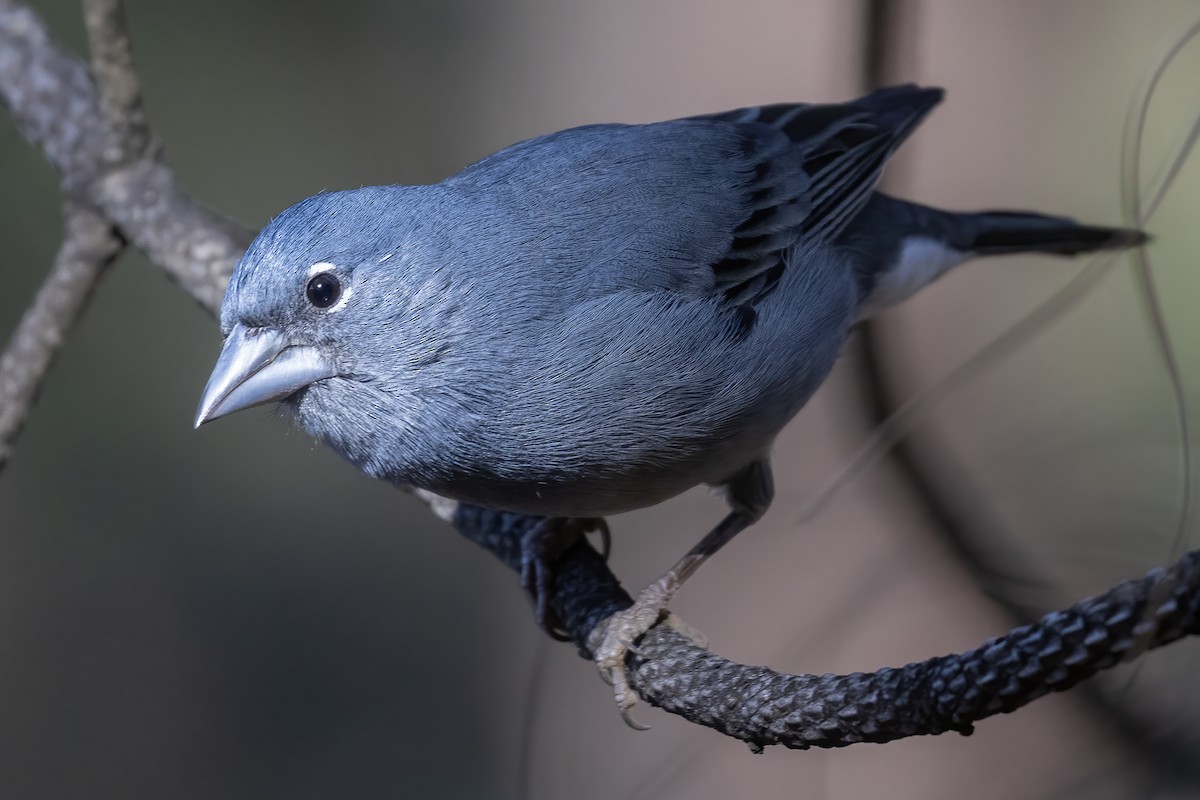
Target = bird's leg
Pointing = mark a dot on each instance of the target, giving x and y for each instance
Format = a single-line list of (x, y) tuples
[(541, 546), (749, 494)]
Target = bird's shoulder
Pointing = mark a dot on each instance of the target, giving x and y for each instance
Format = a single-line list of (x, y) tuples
[(706, 206), (610, 207)]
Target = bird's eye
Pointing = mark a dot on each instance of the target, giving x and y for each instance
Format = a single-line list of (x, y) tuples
[(323, 290)]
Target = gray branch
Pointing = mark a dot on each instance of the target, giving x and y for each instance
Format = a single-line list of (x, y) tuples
[(89, 245), (56, 106), (116, 79), (102, 147)]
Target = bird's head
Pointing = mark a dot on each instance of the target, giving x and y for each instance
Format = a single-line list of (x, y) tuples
[(306, 299)]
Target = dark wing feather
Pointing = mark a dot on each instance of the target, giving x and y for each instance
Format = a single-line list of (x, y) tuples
[(701, 206), (815, 167)]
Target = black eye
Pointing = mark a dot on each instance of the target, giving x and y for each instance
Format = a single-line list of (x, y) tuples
[(323, 290)]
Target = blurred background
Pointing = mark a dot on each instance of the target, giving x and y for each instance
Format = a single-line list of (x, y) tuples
[(235, 612)]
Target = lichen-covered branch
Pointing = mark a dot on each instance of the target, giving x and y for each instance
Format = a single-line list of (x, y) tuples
[(57, 107), (103, 148), (116, 79), (197, 247), (49, 94)]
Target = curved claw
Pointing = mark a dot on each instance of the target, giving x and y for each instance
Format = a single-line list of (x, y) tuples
[(624, 697), (631, 722), (633, 648), (616, 637)]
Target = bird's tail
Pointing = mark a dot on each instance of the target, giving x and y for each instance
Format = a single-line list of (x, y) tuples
[(994, 233), (902, 246)]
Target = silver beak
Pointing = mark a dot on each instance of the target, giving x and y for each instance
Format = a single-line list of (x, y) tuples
[(256, 366)]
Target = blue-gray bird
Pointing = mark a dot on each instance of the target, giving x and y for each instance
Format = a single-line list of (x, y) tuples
[(596, 320)]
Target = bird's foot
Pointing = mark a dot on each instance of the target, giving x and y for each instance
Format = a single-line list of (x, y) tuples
[(541, 547), (614, 638)]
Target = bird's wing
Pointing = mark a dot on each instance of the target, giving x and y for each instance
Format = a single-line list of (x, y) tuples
[(812, 180), (702, 205)]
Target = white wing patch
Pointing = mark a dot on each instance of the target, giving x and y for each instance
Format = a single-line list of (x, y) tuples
[(921, 260)]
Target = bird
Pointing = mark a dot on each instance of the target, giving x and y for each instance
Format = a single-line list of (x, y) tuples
[(596, 320)]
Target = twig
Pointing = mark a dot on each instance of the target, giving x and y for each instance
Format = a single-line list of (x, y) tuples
[(89, 245), (111, 176), (116, 78), (50, 96), (57, 107), (195, 246)]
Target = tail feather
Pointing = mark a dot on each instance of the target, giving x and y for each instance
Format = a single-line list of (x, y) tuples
[(1000, 232), (899, 247)]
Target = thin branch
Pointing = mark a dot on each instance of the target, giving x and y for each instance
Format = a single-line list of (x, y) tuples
[(89, 245), (99, 140), (101, 144), (50, 95), (194, 245), (56, 106), (116, 78)]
